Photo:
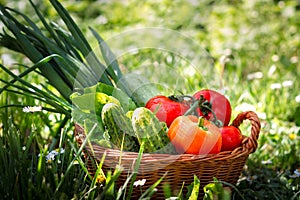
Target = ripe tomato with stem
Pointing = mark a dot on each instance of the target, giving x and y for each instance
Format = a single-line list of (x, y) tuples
[(168, 108), (214, 106)]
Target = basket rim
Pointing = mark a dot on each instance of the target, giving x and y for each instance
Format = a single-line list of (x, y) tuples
[(249, 145)]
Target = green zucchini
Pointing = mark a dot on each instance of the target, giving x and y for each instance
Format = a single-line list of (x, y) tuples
[(138, 87), (119, 128), (151, 131)]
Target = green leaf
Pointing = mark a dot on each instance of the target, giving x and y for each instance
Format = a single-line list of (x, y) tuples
[(126, 102), (216, 190), (109, 58), (195, 190), (92, 102), (167, 190), (151, 190), (96, 66), (135, 170), (25, 39)]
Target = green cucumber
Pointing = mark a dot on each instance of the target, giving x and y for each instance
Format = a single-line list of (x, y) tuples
[(119, 128), (151, 131)]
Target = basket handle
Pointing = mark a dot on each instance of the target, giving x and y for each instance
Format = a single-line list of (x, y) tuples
[(249, 143)]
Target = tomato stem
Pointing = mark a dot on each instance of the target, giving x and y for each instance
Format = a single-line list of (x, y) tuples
[(201, 123), (205, 106), (192, 109), (181, 98)]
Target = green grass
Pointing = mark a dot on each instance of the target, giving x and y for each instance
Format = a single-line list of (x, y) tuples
[(260, 39)]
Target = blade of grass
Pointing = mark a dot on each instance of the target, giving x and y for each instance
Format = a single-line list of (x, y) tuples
[(77, 34), (85, 48), (78, 158), (30, 69), (46, 25), (37, 98), (195, 190), (135, 170), (38, 92), (111, 61), (70, 44), (65, 67), (32, 52), (109, 58), (109, 188), (58, 108), (33, 95), (151, 190), (122, 189), (232, 186), (99, 172), (181, 191)]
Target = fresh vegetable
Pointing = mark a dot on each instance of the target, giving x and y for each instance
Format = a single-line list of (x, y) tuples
[(193, 135), (125, 101), (92, 102), (167, 109), (151, 131), (70, 62), (231, 138), (119, 128), (213, 106), (139, 88)]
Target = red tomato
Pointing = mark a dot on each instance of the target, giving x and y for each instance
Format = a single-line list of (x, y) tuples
[(231, 138), (190, 136), (215, 102), (167, 108)]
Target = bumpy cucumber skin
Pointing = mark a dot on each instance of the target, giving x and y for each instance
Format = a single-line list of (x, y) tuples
[(119, 128), (151, 131)]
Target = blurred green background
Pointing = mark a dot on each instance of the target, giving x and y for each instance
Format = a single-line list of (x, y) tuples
[(254, 47)]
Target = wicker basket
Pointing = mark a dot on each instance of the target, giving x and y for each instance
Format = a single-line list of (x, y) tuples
[(226, 166)]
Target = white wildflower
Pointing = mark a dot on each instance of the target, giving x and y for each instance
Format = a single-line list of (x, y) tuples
[(51, 155), (298, 98), (275, 86), (62, 150), (288, 83), (224, 59), (272, 70), (275, 58), (294, 59), (262, 115), (297, 172), (28, 109), (255, 75), (245, 107), (139, 182), (266, 162)]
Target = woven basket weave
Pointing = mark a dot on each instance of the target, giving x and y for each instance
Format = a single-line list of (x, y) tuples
[(225, 166)]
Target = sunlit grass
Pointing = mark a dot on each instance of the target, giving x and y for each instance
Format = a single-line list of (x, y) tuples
[(261, 75)]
